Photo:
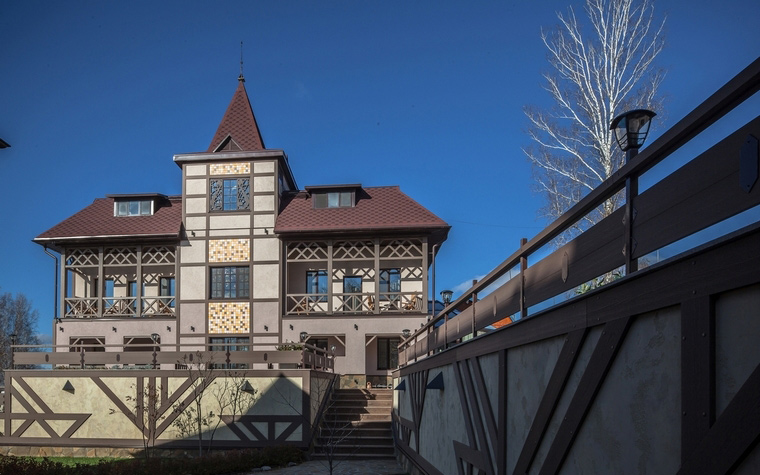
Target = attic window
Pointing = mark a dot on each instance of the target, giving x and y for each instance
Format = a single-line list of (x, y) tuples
[(133, 208), (334, 199)]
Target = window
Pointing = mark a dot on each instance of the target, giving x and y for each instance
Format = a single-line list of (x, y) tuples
[(352, 285), (390, 281), (166, 289), (138, 343), (133, 208), (109, 292), (95, 344), (387, 353), (230, 194), (334, 199), (316, 283), (229, 282), (132, 292), (225, 344)]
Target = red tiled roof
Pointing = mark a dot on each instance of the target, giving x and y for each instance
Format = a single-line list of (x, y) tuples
[(98, 220), (239, 123), (377, 208)]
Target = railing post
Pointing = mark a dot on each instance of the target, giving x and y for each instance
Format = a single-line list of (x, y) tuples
[(474, 300), (631, 191), (523, 268)]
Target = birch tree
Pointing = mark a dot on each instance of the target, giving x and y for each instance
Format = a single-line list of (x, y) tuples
[(601, 66)]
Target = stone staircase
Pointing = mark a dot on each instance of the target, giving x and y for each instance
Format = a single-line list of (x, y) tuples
[(356, 424)]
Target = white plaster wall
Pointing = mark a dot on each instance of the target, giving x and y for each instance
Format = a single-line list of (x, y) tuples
[(230, 221), (195, 170), (263, 220), (193, 252), (192, 314), (195, 187), (266, 281), (263, 167), (195, 205), (266, 249), (194, 223), (263, 183), (263, 203), (265, 313), (192, 280)]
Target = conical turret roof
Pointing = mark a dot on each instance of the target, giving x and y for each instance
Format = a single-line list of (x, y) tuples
[(238, 129)]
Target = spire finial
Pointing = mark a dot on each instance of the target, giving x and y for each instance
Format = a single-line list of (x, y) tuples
[(241, 78)]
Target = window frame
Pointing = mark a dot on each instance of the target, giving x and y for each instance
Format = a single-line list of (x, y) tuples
[(333, 199), (123, 208), (386, 285), (313, 278), (241, 281), (386, 362), (229, 194)]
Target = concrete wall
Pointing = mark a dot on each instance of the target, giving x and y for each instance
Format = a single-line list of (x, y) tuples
[(634, 423)]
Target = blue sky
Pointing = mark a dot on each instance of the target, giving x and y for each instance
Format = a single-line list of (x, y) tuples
[(96, 97)]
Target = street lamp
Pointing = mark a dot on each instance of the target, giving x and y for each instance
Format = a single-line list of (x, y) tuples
[(631, 129), (304, 336), (446, 296), (154, 337), (406, 333)]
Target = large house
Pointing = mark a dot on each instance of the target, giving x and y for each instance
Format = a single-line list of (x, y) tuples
[(244, 259)]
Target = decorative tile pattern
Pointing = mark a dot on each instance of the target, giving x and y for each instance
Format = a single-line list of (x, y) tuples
[(229, 317), (230, 168), (229, 250)]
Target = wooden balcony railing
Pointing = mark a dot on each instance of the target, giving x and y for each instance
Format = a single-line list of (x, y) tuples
[(87, 307), (142, 356), (355, 303)]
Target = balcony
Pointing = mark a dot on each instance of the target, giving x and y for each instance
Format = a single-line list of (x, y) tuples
[(88, 307), (354, 303)]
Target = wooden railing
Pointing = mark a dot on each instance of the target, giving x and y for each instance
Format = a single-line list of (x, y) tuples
[(355, 303), (87, 307), (155, 355), (709, 189)]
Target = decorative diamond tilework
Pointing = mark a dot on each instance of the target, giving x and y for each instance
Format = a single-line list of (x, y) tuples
[(230, 168), (229, 317), (229, 250)]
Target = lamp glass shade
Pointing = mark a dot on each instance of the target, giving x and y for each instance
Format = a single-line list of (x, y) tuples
[(154, 337), (631, 128), (406, 332), (304, 336), (446, 296)]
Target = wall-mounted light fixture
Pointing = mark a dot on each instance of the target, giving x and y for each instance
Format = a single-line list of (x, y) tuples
[(291, 326), (113, 328), (247, 388), (168, 328), (266, 328), (356, 326), (436, 383), (192, 328)]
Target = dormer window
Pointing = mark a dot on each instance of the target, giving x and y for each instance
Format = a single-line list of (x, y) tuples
[(335, 196), (143, 204), (334, 199), (133, 208)]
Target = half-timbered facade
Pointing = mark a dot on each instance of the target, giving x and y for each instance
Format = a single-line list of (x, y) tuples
[(244, 258)]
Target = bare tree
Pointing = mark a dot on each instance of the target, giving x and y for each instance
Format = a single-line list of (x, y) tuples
[(600, 69), (16, 318)]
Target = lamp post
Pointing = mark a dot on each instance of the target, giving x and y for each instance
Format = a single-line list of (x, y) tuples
[(154, 337), (446, 296), (631, 129)]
